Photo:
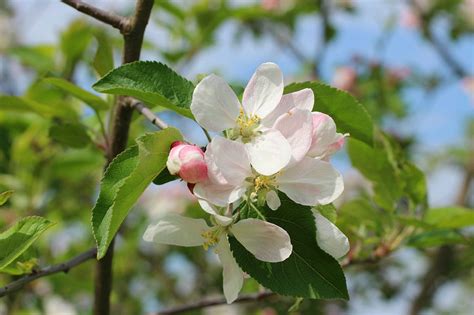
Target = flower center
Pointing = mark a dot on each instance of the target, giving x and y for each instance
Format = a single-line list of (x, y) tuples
[(211, 237), (246, 126), (263, 182)]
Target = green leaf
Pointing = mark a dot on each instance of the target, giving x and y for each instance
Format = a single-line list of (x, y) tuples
[(450, 217), (151, 82), (436, 238), (104, 57), (350, 116), (4, 196), (21, 104), (415, 183), (89, 98), (19, 237), (309, 272), (164, 177), (73, 135), (373, 163), (127, 176)]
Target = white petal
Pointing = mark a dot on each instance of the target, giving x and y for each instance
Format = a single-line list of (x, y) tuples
[(269, 152), (231, 159), (330, 238), (264, 90), (303, 99), (211, 209), (297, 127), (219, 194), (233, 276), (273, 201), (311, 182), (266, 241), (215, 106), (174, 229)]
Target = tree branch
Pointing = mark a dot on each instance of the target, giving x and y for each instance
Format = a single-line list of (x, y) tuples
[(119, 22), (148, 114), (63, 267), (255, 297)]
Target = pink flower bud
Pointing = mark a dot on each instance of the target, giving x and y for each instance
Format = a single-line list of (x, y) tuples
[(187, 161)]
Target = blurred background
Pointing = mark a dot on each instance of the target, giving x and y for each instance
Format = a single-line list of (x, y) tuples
[(410, 63)]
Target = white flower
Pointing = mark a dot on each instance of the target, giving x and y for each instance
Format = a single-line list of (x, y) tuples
[(308, 182), (266, 241), (216, 108), (330, 238)]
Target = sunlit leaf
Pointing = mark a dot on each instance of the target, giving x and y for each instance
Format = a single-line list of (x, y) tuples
[(17, 239), (126, 178), (151, 82)]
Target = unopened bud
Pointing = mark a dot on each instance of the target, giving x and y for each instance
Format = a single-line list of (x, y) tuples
[(187, 161)]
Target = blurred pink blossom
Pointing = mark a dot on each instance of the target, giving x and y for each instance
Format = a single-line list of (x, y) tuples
[(409, 18), (344, 78)]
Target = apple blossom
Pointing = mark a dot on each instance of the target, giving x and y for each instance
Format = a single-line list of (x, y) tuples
[(266, 241), (308, 182), (187, 161), (330, 238), (216, 108), (325, 139)]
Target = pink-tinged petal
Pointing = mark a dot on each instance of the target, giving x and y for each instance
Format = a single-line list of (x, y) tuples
[(264, 90), (330, 238), (174, 229), (311, 182), (266, 241), (325, 136), (269, 152), (231, 158), (297, 127), (233, 276), (214, 105), (303, 99), (219, 194)]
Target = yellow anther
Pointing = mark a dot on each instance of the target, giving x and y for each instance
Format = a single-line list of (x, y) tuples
[(246, 124), (211, 238), (266, 182)]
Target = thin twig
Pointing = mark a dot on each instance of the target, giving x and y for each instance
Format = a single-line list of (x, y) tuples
[(112, 19), (148, 114), (214, 302), (63, 267)]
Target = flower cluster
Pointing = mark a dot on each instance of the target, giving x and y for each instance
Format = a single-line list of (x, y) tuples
[(266, 144)]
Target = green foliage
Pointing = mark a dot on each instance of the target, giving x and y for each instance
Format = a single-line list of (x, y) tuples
[(4, 196), (18, 238), (374, 164), (127, 176), (436, 237), (88, 98), (23, 104), (40, 58), (164, 177), (104, 56), (350, 116), (450, 217), (151, 82), (73, 135), (309, 272)]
